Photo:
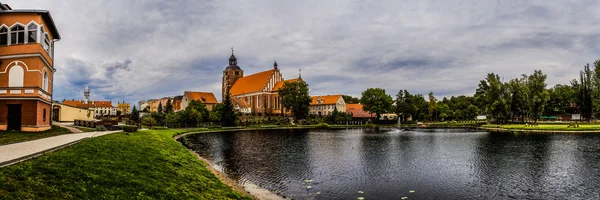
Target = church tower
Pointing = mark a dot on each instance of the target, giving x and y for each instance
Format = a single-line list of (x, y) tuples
[(231, 74)]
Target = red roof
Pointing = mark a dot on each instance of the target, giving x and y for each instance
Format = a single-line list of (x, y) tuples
[(326, 100), (279, 84), (81, 104), (204, 97), (357, 111), (253, 83)]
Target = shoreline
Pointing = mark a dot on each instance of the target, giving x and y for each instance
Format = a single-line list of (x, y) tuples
[(247, 188), (534, 130)]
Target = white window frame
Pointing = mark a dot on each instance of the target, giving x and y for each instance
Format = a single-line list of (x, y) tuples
[(45, 81), (7, 34), (10, 31)]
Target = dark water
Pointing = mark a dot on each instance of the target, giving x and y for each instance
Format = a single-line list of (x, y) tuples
[(436, 164)]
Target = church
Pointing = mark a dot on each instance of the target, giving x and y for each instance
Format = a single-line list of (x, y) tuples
[(255, 93)]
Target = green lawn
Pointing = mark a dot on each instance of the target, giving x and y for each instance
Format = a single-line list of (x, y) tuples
[(548, 127), (9, 137), (141, 165)]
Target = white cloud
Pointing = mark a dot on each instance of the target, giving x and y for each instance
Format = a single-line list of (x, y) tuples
[(341, 46)]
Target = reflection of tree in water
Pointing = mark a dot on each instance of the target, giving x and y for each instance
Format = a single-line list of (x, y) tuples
[(511, 165), (273, 159)]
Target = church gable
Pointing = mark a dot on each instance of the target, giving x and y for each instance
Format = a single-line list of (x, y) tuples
[(273, 81)]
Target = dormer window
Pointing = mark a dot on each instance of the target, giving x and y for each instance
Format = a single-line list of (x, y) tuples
[(3, 36), (17, 34), (32, 33)]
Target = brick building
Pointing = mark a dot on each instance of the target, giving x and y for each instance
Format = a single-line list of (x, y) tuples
[(26, 68)]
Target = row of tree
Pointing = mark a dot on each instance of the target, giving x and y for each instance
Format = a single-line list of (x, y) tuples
[(193, 115), (525, 98)]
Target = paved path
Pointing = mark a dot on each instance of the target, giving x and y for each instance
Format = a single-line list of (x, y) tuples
[(13, 153), (68, 126)]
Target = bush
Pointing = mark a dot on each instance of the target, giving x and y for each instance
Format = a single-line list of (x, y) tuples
[(159, 128), (370, 126), (130, 129), (100, 128), (323, 126)]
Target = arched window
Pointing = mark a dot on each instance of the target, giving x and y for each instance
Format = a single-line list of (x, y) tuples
[(3, 36), (45, 82), (17, 34), (32, 33), (16, 76)]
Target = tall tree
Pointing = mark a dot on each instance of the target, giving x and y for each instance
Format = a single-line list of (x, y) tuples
[(538, 95), (201, 108), (228, 117), (160, 107), (518, 98), (432, 107), (584, 92), (169, 106), (295, 98), (402, 104), (596, 89), (135, 115), (495, 97), (375, 100)]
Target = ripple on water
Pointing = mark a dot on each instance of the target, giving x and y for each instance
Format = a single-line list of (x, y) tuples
[(437, 164)]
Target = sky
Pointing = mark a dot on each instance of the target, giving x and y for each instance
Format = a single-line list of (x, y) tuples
[(136, 50)]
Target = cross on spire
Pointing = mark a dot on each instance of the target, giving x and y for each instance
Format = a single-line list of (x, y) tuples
[(231, 50), (300, 73)]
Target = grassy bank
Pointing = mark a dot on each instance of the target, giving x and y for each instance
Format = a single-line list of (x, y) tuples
[(9, 137), (142, 165), (547, 127)]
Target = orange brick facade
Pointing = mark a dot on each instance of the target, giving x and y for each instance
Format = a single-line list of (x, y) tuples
[(26, 69)]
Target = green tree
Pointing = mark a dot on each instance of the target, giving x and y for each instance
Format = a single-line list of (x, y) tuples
[(518, 98), (227, 114), (471, 112), (160, 107), (402, 104), (596, 89), (294, 97), (172, 119), (135, 115), (350, 100), (201, 108), (432, 106), (444, 111), (495, 97), (538, 95), (169, 106), (375, 100), (584, 90), (149, 121)]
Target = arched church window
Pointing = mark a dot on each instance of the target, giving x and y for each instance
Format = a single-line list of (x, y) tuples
[(17, 34), (3, 36), (16, 76), (32, 33)]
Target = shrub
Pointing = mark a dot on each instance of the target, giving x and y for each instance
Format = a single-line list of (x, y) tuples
[(100, 128), (130, 128), (323, 126), (370, 126)]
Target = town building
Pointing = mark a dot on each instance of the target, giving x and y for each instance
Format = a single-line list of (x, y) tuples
[(207, 98), (68, 113), (177, 102), (26, 68), (325, 105), (256, 93), (357, 112), (124, 108), (100, 108), (143, 104)]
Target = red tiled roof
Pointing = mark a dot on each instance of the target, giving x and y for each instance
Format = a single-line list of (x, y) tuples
[(279, 84), (253, 83), (241, 103), (204, 97), (81, 104), (327, 100), (356, 110)]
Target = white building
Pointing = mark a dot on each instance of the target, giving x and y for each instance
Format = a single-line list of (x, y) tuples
[(325, 105)]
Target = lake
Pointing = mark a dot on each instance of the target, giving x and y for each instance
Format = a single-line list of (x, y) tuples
[(435, 164)]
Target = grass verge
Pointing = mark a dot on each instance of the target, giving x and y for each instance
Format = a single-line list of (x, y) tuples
[(142, 165), (9, 137), (547, 127)]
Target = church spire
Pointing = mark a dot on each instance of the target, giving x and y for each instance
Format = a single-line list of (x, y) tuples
[(275, 65), (300, 73), (232, 59)]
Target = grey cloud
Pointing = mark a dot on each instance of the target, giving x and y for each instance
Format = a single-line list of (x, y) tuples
[(133, 50)]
